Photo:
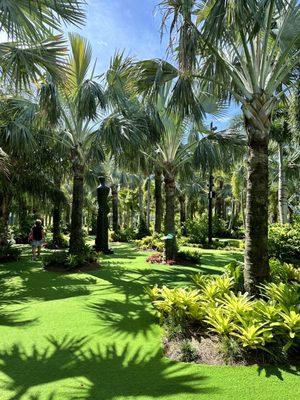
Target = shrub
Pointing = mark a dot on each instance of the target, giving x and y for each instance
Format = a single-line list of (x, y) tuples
[(155, 258), (287, 296), (60, 243), (21, 233), (188, 255), (178, 303), (284, 241), (154, 242), (65, 261), (231, 350), (158, 258), (185, 241), (279, 272), (188, 351), (57, 258), (142, 230), (197, 229), (245, 327), (251, 335), (9, 253), (219, 321), (200, 280), (235, 270), (283, 272), (123, 235)]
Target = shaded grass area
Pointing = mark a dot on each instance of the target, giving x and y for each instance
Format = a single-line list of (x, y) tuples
[(94, 336)]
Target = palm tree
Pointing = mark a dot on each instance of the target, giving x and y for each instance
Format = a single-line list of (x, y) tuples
[(73, 105), (31, 48), (245, 51)]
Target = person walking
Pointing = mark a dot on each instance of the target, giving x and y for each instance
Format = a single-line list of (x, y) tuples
[(37, 236)]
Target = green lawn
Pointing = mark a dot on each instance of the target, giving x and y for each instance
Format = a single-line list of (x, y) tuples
[(93, 336)]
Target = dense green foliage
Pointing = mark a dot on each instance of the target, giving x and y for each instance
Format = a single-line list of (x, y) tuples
[(284, 241), (270, 324), (9, 253), (65, 261)]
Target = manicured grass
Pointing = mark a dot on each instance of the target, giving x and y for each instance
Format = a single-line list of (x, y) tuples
[(94, 336)]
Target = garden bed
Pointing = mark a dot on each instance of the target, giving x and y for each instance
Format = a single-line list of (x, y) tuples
[(188, 258), (63, 261), (211, 351), (61, 268), (217, 322)]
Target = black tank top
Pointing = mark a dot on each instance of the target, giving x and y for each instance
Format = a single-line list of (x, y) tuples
[(37, 232)]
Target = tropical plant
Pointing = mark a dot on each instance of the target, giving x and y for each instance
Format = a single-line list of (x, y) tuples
[(73, 105)]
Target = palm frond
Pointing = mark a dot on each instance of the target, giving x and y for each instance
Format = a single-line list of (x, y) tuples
[(22, 65), (30, 20)]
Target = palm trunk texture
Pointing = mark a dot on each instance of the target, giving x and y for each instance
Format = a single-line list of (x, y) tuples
[(282, 197), (170, 244), (76, 234), (256, 247)]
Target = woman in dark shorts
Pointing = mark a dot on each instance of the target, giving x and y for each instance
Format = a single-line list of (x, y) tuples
[(37, 236)]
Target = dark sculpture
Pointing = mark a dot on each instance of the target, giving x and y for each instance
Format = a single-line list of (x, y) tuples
[(102, 219)]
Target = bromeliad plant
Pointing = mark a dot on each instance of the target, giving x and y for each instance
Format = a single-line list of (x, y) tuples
[(270, 324)]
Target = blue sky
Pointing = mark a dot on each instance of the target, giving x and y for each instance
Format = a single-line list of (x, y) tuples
[(130, 25)]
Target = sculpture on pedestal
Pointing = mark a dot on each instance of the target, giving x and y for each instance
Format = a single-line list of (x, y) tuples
[(102, 218)]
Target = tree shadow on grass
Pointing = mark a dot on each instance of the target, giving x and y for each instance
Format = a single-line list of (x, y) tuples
[(275, 370), (36, 284), (98, 372), (214, 263), (14, 317), (132, 282), (124, 252), (126, 319)]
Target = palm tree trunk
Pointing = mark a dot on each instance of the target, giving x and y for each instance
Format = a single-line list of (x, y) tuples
[(22, 216), (243, 209), (115, 207), (5, 200), (56, 215), (256, 247), (219, 203), (67, 214), (192, 210), (233, 213), (182, 203), (282, 196), (158, 201), (76, 234), (141, 201), (148, 209), (170, 242)]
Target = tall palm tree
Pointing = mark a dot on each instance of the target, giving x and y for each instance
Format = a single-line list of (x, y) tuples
[(73, 105), (242, 50)]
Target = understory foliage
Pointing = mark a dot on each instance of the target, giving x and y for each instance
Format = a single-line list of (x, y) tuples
[(247, 326), (123, 235), (184, 256), (284, 241), (197, 229), (153, 242), (65, 261), (60, 243), (9, 253)]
